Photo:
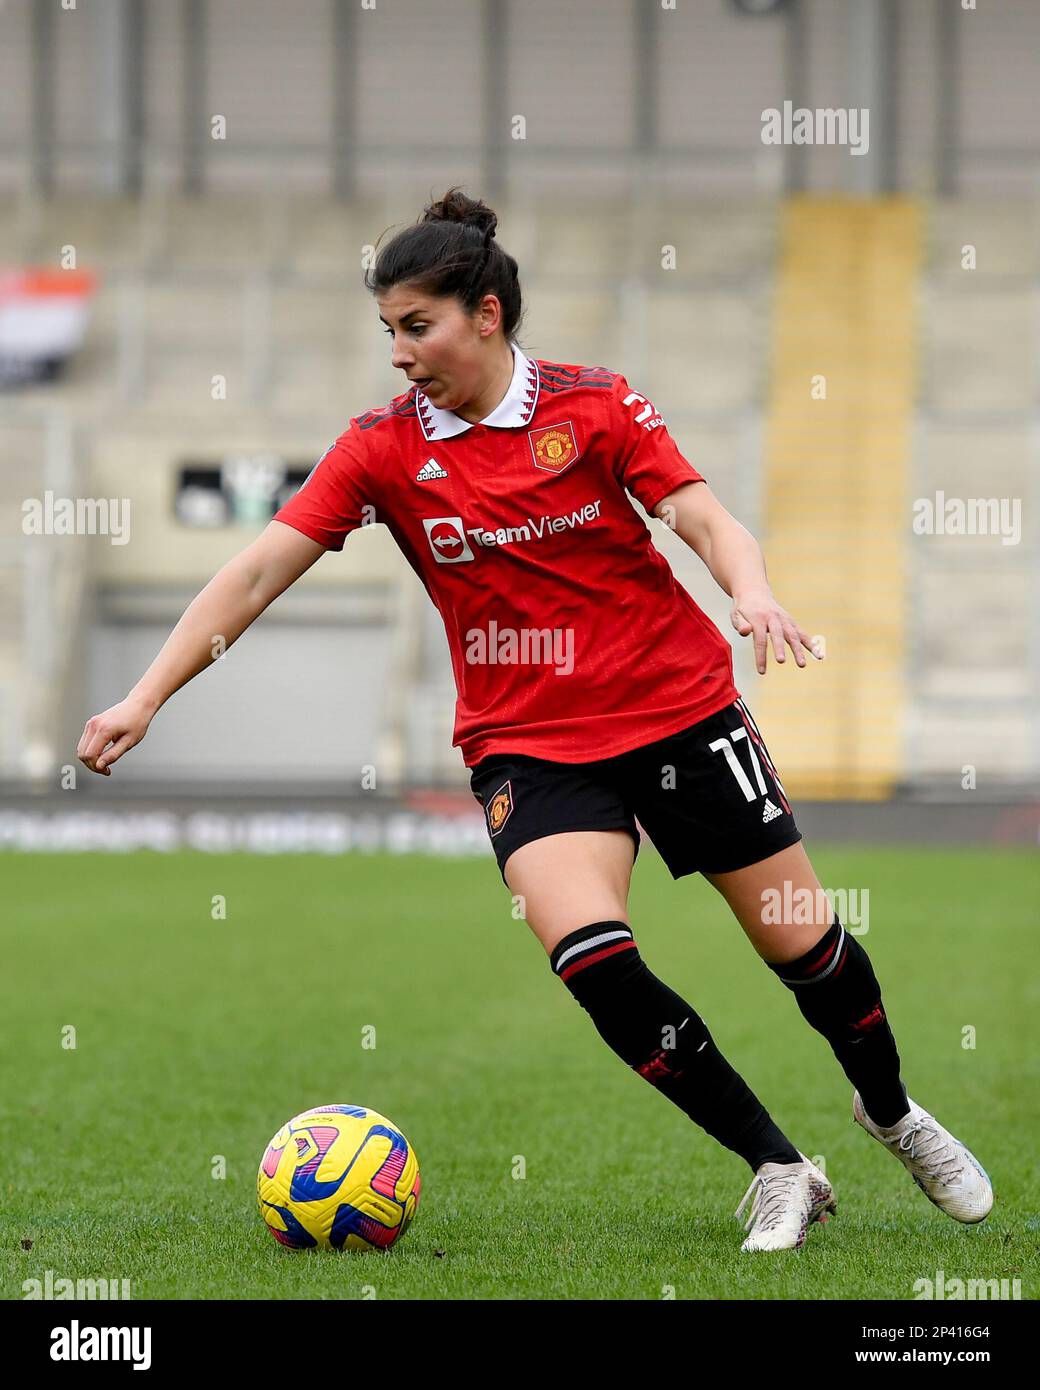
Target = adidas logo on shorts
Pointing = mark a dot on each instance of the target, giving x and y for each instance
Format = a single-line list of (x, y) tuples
[(770, 812)]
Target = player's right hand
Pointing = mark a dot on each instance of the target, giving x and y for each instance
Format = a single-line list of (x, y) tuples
[(123, 726)]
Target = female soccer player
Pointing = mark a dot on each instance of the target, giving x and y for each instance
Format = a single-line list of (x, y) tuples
[(591, 690)]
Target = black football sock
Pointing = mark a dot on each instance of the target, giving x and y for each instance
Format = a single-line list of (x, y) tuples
[(838, 993), (665, 1041)]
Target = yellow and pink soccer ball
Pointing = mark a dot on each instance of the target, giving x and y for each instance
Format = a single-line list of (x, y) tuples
[(338, 1177)]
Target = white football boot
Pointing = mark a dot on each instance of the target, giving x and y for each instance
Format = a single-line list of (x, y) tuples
[(788, 1198), (946, 1172)]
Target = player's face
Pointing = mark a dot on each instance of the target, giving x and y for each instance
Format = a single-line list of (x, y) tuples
[(435, 343)]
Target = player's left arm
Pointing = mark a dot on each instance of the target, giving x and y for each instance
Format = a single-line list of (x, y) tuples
[(736, 563)]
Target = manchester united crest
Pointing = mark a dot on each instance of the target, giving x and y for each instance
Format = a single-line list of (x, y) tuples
[(553, 447), (500, 808)]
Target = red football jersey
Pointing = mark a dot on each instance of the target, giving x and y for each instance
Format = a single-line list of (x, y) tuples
[(570, 637)]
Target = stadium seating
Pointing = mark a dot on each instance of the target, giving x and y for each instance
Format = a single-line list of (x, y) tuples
[(265, 292)]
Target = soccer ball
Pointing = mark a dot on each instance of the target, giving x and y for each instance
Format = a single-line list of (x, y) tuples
[(338, 1177)]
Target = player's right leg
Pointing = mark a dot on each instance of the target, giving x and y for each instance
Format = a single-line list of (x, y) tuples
[(568, 880)]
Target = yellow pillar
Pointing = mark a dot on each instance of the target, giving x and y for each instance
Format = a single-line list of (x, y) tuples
[(836, 508)]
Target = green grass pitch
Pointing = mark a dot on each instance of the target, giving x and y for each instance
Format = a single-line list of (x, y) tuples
[(198, 1037)]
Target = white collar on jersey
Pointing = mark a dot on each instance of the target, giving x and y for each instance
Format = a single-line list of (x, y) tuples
[(515, 408)]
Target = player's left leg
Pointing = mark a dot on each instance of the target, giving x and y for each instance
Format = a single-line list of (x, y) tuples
[(711, 801), (785, 914), (834, 984)]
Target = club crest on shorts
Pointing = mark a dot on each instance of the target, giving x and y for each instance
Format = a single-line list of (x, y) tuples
[(500, 808), (553, 447)]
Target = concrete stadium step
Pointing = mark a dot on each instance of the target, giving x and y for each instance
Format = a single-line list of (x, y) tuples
[(942, 740), (706, 347), (957, 375), (1006, 236)]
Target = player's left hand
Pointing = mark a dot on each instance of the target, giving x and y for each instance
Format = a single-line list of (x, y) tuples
[(758, 612)]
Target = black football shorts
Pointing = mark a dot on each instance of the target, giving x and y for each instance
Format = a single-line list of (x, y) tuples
[(708, 797)]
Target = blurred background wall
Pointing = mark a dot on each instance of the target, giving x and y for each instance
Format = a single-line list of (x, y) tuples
[(832, 337)]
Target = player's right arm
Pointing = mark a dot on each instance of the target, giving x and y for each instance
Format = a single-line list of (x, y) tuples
[(235, 596)]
